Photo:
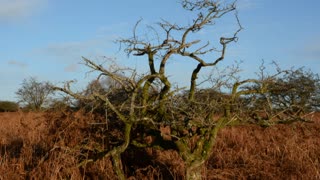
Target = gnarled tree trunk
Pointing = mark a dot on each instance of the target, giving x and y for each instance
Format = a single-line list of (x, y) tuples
[(194, 171)]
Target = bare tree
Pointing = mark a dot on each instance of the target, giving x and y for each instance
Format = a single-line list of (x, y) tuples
[(178, 40), (151, 102), (33, 93), (186, 121), (284, 96), (298, 90)]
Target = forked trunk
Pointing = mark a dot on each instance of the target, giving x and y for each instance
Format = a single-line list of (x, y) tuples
[(194, 172)]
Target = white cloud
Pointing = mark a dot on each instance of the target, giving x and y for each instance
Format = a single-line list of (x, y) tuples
[(11, 10)]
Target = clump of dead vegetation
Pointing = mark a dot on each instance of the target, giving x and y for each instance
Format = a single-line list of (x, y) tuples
[(54, 147)]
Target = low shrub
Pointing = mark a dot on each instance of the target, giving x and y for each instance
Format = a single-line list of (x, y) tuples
[(8, 106)]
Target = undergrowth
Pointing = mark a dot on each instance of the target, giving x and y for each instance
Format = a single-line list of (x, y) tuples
[(54, 145)]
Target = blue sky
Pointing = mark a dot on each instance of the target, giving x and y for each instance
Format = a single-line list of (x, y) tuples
[(46, 38)]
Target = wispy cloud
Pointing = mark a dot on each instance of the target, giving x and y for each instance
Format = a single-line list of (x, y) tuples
[(71, 68), (247, 4), (110, 29), (76, 48), (312, 51), (309, 50), (66, 48), (17, 63), (11, 10)]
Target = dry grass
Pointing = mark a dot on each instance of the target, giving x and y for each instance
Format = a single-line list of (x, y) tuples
[(46, 146), (278, 152)]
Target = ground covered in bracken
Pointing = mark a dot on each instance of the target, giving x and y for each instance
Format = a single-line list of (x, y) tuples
[(44, 146)]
